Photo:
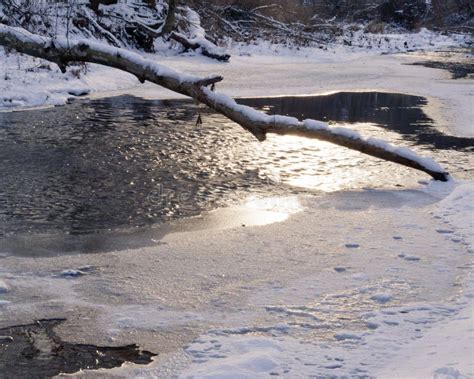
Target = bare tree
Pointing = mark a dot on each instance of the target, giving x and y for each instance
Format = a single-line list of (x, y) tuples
[(170, 20)]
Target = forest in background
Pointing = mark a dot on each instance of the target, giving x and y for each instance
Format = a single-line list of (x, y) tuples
[(202, 24)]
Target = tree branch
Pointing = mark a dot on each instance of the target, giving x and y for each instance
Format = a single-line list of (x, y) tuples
[(61, 52)]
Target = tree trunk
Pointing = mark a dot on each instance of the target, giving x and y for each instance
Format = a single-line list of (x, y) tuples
[(62, 51), (168, 27)]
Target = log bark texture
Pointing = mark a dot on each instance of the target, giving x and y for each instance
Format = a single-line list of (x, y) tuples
[(62, 51)]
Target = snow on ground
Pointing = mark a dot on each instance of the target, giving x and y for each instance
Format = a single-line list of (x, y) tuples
[(444, 352), (27, 82), (422, 340), (359, 42), (457, 210)]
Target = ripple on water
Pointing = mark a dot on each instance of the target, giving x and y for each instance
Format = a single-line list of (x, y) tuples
[(126, 162)]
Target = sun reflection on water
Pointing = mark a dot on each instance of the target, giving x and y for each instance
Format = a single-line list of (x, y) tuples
[(126, 162), (313, 164)]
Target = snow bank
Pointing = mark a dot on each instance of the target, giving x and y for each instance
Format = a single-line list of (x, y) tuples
[(420, 340), (357, 43), (457, 211), (392, 332), (444, 352), (27, 82), (198, 34)]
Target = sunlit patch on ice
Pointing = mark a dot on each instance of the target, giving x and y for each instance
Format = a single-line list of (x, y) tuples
[(254, 212)]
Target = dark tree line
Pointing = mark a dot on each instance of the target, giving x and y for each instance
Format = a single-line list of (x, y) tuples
[(408, 13), (299, 22)]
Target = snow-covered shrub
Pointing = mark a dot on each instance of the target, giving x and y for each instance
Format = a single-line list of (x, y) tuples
[(126, 23)]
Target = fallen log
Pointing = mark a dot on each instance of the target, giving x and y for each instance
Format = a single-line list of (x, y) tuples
[(208, 49), (63, 51)]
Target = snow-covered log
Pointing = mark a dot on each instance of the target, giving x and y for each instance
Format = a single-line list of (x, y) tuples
[(62, 51), (208, 49)]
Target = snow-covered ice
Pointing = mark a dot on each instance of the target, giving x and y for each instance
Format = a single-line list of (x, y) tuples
[(416, 341), (269, 299)]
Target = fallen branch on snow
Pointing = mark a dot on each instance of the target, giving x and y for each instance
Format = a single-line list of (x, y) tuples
[(208, 49), (62, 52)]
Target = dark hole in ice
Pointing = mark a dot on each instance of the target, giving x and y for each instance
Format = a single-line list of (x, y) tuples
[(73, 174), (36, 351), (458, 70)]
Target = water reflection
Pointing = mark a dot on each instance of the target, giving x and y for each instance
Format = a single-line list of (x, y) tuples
[(123, 162), (115, 163), (394, 111)]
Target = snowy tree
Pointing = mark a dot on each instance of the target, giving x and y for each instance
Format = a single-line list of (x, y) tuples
[(131, 24)]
